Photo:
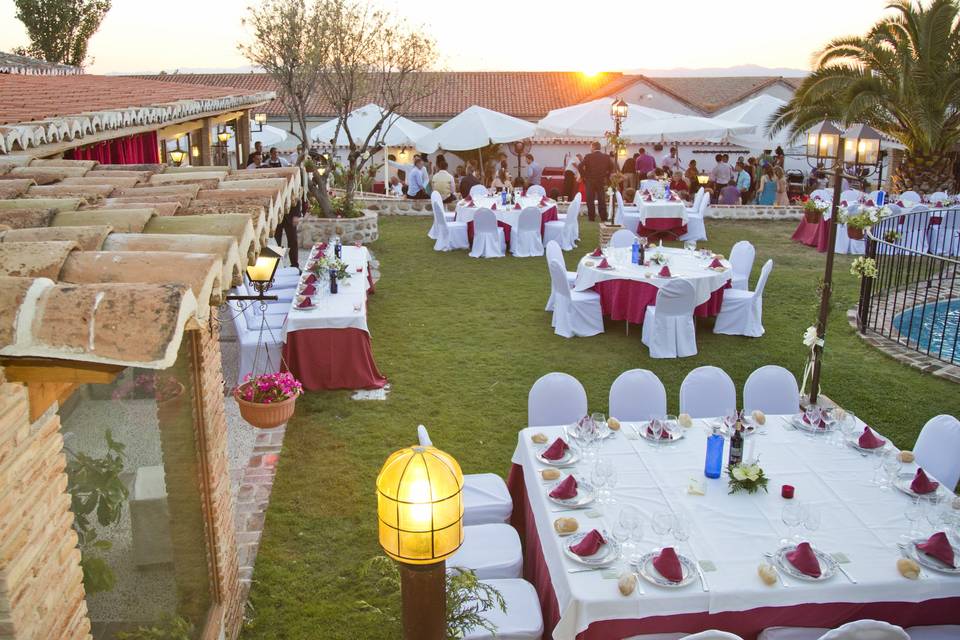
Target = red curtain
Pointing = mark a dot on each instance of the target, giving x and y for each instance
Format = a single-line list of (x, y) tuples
[(136, 149)]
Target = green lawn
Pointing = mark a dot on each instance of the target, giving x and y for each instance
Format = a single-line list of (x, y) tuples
[(461, 341)]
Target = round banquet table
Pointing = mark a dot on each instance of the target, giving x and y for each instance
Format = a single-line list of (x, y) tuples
[(628, 289), (507, 215)]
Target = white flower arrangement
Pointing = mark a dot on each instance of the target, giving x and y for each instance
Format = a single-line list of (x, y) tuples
[(811, 340), (861, 217), (746, 477)]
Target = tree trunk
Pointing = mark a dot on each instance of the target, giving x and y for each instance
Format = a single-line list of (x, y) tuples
[(924, 173), (350, 184)]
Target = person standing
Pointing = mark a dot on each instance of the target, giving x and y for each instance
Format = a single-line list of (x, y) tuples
[(596, 169), (782, 199), (534, 171), (253, 160), (768, 186), (672, 161), (692, 174), (743, 183), (417, 181), (468, 181), (571, 176), (645, 164)]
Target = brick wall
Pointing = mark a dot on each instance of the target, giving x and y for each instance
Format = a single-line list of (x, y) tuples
[(41, 583)]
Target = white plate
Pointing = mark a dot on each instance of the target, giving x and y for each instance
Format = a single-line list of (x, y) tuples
[(903, 483), (649, 573), (803, 426), (586, 494), (854, 441), (605, 432), (607, 554), (570, 456), (828, 566), (932, 563), (299, 308)]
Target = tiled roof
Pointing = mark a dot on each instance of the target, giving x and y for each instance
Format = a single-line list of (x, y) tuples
[(93, 274), (12, 63), (712, 94)]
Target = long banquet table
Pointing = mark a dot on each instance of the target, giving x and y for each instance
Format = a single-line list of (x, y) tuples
[(507, 215), (328, 347), (859, 520)]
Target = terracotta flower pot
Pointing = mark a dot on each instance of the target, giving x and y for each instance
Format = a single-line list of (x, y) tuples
[(265, 416), (813, 217), (854, 233)]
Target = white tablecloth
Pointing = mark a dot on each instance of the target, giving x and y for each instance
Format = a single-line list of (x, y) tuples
[(682, 263), (662, 209), (732, 531), (336, 311), (505, 213)]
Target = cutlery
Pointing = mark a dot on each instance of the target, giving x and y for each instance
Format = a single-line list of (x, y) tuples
[(586, 570), (636, 574), (703, 578), (776, 569), (846, 573)]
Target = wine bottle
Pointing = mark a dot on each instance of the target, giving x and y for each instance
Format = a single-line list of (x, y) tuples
[(333, 280), (736, 445)]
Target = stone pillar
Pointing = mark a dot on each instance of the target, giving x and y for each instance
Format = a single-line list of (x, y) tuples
[(206, 153), (243, 138), (41, 583)]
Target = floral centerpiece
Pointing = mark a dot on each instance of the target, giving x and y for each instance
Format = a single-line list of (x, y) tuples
[(746, 477), (658, 258), (859, 218), (323, 264), (268, 400), (864, 267), (813, 209)]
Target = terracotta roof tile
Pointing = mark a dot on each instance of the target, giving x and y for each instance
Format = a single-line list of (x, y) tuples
[(712, 94)]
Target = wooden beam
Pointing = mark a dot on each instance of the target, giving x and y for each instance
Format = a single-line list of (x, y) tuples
[(44, 370), (43, 394)]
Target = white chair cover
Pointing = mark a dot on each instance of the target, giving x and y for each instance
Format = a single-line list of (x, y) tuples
[(938, 449), (695, 207), (712, 634), (573, 208), (944, 238), (942, 196), (555, 254), (618, 210), (565, 231), (771, 389), (636, 395), (523, 619), (851, 196), (910, 196), (536, 190), (822, 194), (668, 328), (450, 235), (623, 238), (247, 340), (856, 630), (741, 313), (934, 632), (575, 313), (696, 229), (276, 315), (707, 392), (915, 228), (741, 259), (478, 191), (436, 201), (556, 399), (525, 240), (844, 244), (488, 240), (490, 551)]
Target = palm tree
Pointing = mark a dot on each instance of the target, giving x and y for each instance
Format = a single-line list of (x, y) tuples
[(903, 79)]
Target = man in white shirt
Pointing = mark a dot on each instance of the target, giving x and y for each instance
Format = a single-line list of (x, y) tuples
[(571, 176), (534, 171), (275, 160), (417, 181), (671, 160)]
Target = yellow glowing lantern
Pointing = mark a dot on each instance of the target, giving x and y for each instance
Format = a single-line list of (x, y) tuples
[(822, 143), (223, 136), (618, 109), (177, 155), (703, 179), (420, 505), (861, 146), (260, 118), (262, 271)]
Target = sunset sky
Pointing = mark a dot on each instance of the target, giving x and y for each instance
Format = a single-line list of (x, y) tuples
[(607, 35)]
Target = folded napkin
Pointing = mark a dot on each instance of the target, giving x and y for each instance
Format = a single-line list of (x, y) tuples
[(566, 489), (939, 547), (843, 203), (308, 290), (306, 302), (543, 201), (311, 278), (869, 203), (900, 203), (517, 206), (590, 544), (821, 424), (556, 450), (716, 264), (667, 564), (596, 253), (805, 560), (647, 198), (869, 440), (604, 264), (493, 207), (665, 272), (922, 484)]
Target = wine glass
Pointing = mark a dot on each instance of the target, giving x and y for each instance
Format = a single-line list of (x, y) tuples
[(813, 414), (600, 420), (811, 518), (690, 245), (656, 428), (661, 524), (680, 529), (932, 512), (604, 474), (599, 479), (630, 521), (730, 417), (890, 466), (621, 534), (670, 426), (791, 515), (848, 425), (913, 513)]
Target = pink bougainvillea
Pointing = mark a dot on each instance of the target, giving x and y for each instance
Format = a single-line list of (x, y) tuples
[(268, 388)]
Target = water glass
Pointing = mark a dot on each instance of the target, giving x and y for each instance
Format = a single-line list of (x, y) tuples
[(848, 425), (680, 528), (621, 534), (662, 524), (690, 246), (811, 518), (600, 420), (913, 513), (877, 461), (670, 426), (656, 428), (891, 468), (791, 516), (630, 521)]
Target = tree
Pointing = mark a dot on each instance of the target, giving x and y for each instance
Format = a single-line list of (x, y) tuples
[(60, 30), (903, 79)]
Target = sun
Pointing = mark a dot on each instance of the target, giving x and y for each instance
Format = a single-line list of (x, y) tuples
[(590, 73)]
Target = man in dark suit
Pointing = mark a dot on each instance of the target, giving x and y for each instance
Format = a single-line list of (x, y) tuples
[(468, 181), (595, 171)]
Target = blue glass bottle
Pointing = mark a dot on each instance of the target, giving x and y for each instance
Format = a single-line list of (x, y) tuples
[(333, 280), (666, 192), (714, 462), (635, 252), (503, 197), (881, 198)]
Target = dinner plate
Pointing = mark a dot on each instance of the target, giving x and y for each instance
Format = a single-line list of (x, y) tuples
[(854, 442), (605, 432), (570, 456), (605, 555), (586, 494), (803, 426), (649, 573), (828, 566), (299, 308), (675, 435), (903, 484), (933, 563)]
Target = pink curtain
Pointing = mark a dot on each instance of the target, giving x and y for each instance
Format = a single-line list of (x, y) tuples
[(136, 149)]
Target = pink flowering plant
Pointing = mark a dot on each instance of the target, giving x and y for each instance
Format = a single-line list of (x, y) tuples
[(269, 388)]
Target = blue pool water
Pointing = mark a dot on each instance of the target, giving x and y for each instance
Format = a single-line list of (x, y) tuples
[(933, 325)]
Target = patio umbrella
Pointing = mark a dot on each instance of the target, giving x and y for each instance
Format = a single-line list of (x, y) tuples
[(270, 136), (757, 111), (474, 128), (679, 128), (592, 119)]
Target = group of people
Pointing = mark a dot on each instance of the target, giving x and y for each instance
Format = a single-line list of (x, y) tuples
[(259, 160), (419, 182), (754, 180)]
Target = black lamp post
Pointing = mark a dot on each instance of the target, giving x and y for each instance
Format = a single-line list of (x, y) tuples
[(618, 111), (261, 273), (260, 119)]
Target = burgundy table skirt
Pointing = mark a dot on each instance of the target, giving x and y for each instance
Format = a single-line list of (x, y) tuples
[(548, 216), (748, 624), (813, 235), (657, 227), (332, 359), (628, 300)]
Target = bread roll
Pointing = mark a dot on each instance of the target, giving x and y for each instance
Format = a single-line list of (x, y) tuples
[(906, 456), (566, 525), (614, 424), (908, 568), (627, 583), (758, 417), (685, 420), (550, 474), (539, 438), (768, 574)]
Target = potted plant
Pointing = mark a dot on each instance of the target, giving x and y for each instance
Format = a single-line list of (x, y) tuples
[(864, 267), (861, 219), (268, 400), (813, 210)]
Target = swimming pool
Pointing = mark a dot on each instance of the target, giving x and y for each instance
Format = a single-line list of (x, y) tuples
[(933, 326)]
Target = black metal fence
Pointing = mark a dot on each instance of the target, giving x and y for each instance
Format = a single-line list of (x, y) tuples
[(914, 299)]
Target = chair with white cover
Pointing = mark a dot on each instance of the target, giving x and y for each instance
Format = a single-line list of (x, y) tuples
[(628, 217), (523, 618), (696, 229), (741, 259), (490, 551), (572, 208), (707, 392), (556, 399), (710, 634), (944, 236), (856, 630), (536, 190), (566, 231), (695, 206), (822, 194), (915, 227), (450, 235), (275, 315), (851, 196), (575, 313), (741, 313), (771, 389), (555, 254), (257, 353), (478, 191), (488, 241), (873, 196), (934, 632), (648, 183), (636, 395), (436, 201), (525, 240), (623, 238), (910, 196), (668, 329), (938, 449), (938, 196), (486, 498)]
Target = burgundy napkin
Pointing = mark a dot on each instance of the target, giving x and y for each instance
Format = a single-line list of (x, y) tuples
[(543, 201), (663, 434), (668, 565), (938, 204), (493, 207), (556, 450), (566, 489), (604, 264), (590, 544), (321, 247), (648, 198), (517, 206), (310, 279), (922, 484), (869, 440), (596, 253), (470, 202), (805, 560), (308, 290), (821, 424), (716, 264), (939, 547), (900, 203), (843, 203), (869, 202), (306, 302), (665, 272)]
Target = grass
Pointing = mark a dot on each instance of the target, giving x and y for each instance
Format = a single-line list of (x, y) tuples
[(461, 341)]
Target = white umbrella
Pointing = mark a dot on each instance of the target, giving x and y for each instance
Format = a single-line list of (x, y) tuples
[(474, 128), (592, 119), (270, 136), (757, 111), (396, 131), (679, 127)]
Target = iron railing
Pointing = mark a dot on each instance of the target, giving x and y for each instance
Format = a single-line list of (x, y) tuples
[(914, 299)]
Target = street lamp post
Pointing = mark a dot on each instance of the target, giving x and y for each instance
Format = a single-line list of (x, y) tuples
[(618, 111)]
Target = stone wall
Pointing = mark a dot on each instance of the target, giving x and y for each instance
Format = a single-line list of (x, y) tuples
[(41, 583), (314, 229), (753, 212)]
